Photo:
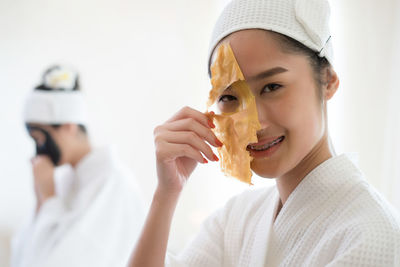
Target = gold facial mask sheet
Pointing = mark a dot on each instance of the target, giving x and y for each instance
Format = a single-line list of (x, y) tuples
[(237, 125)]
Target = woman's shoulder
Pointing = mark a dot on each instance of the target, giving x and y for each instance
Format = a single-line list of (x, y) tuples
[(367, 216), (249, 204), (369, 228), (355, 200), (370, 208)]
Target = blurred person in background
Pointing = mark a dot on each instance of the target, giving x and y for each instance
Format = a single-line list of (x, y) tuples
[(88, 213)]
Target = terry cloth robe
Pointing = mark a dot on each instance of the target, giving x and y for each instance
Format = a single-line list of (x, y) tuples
[(94, 220), (332, 218)]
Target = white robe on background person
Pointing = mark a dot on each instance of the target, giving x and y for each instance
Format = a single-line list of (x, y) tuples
[(333, 218), (94, 219)]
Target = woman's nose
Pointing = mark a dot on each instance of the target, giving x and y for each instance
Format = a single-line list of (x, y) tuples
[(262, 113)]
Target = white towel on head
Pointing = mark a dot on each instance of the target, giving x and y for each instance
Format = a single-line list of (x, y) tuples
[(306, 21), (55, 107)]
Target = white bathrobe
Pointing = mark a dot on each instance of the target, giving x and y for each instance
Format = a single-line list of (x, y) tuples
[(94, 220), (333, 218)]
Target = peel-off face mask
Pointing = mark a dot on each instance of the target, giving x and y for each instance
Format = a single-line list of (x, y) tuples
[(235, 114), (49, 147)]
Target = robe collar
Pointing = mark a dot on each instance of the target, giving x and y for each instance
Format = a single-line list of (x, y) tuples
[(94, 165), (325, 184)]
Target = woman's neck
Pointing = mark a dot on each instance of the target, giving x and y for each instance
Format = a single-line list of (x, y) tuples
[(80, 152), (289, 181)]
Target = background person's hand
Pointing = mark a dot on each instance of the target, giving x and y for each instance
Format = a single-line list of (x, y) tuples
[(43, 173), (180, 144)]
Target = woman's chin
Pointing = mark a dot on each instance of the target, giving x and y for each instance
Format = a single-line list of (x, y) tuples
[(264, 169)]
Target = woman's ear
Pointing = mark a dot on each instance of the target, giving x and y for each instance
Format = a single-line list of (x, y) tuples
[(331, 83)]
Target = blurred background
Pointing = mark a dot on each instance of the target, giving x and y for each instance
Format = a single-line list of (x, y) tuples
[(141, 61)]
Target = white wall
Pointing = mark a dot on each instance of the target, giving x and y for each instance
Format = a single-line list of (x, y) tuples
[(366, 32), (141, 61)]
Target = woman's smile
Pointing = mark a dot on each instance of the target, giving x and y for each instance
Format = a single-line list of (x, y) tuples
[(265, 147)]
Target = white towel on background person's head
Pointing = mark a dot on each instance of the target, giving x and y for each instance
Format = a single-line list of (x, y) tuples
[(57, 100)]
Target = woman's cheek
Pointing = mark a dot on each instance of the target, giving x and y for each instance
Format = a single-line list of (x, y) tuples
[(289, 115), (300, 122), (309, 127)]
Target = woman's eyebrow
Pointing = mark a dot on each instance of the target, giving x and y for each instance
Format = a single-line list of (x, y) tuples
[(228, 89), (267, 73)]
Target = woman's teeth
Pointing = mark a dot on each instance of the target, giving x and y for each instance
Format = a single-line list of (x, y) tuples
[(266, 146)]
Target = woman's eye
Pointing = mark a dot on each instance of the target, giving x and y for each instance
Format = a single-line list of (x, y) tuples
[(228, 103), (271, 87), (227, 98)]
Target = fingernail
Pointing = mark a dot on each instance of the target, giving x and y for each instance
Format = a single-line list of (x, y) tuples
[(212, 113), (215, 157), (211, 124), (218, 142), (205, 161)]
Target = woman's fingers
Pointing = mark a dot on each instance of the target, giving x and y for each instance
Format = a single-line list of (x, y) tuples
[(192, 125), (170, 151), (180, 143), (188, 112), (192, 139)]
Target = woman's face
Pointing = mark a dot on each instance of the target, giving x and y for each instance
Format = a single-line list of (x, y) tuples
[(59, 143), (289, 109)]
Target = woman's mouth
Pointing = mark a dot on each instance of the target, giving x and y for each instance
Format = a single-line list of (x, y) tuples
[(265, 148)]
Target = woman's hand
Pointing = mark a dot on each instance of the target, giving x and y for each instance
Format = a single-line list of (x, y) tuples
[(43, 173), (180, 144)]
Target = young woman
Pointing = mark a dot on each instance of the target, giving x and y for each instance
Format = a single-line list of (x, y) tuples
[(321, 212)]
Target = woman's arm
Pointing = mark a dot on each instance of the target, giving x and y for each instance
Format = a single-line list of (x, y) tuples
[(180, 144), (152, 244)]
